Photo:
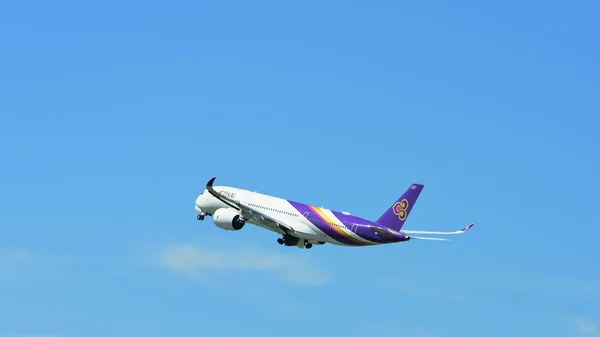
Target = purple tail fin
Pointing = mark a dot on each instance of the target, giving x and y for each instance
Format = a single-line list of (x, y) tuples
[(395, 216)]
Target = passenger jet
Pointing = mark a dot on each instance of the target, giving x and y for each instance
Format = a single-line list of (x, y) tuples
[(303, 225)]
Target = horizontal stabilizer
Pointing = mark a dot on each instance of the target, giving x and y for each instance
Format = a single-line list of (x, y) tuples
[(460, 231), (428, 239)]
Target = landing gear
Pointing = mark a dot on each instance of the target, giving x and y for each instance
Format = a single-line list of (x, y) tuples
[(289, 240), (201, 216)]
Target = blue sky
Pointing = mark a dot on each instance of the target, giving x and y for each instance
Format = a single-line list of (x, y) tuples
[(113, 116)]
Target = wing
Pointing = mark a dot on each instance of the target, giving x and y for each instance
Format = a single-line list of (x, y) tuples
[(460, 231), (429, 239), (249, 212), (386, 234)]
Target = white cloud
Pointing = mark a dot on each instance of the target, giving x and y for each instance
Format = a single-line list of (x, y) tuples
[(21, 255), (15, 261), (193, 261), (587, 328), (15, 255), (28, 335), (422, 289), (22, 264)]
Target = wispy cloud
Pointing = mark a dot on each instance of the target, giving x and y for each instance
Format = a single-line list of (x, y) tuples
[(15, 255), (21, 264), (13, 261), (28, 335), (586, 327), (424, 290), (196, 262)]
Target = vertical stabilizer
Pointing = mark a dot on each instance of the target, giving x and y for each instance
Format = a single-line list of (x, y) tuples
[(395, 216)]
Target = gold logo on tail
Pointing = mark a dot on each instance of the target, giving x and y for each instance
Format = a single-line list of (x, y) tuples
[(400, 208)]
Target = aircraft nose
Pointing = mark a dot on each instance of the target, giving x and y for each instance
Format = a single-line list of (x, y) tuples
[(199, 201), (202, 200)]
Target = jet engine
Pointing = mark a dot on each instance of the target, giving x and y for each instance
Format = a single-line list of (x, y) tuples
[(228, 219)]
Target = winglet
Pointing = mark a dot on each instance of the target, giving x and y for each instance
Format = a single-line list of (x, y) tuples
[(467, 228), (210, 182), (224, 199)]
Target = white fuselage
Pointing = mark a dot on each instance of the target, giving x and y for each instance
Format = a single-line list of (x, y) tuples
[(274, 207)]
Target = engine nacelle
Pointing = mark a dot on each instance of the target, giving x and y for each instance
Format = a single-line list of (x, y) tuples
[(228, 219)]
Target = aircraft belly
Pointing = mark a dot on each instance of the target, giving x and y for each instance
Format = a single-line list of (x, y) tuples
[(266, 225), (309, 236)]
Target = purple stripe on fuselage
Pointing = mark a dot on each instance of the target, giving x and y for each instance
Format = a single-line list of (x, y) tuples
[(312, 217), (359, 226), (364, 229)]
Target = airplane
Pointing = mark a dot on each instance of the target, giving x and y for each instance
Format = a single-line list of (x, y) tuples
[(302, 225)]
